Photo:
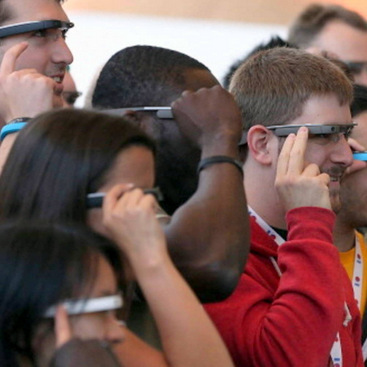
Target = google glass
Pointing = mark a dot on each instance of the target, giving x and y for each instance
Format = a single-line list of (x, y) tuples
[(95, 200), (163, 112), (314, 129), (25, 27), (88, 305)]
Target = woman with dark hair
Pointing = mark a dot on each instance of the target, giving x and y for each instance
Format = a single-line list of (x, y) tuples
[(56, 162), (42, 266), (62, 156)]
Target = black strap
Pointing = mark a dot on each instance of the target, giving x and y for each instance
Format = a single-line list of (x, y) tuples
[(219, 159)]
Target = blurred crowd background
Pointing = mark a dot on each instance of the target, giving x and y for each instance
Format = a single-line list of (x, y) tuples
[(214, 32)]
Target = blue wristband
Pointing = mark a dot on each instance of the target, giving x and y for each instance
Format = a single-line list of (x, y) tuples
[(11, 128)]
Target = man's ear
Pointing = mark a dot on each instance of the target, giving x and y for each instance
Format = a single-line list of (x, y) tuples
[(144, 121), (258, 140), (131, 116)]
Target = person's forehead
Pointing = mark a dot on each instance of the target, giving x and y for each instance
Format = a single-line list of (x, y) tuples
[(134, 164), (323, 110), (33, 10), (343, 40)]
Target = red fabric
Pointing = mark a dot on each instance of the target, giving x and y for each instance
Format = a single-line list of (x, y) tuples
[(293, 320)]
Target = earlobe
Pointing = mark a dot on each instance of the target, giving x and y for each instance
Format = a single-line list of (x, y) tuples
[(258, 140), (131, 116), (141, 120)]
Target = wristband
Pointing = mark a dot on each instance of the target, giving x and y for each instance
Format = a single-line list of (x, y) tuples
[(13, 126), (219, 159)]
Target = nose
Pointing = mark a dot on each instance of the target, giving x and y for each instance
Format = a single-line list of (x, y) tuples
[(115, 331), (61, 53), (342, 153)]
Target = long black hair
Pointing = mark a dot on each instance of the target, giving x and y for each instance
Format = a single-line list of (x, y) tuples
[(40, 266), (58, 159)]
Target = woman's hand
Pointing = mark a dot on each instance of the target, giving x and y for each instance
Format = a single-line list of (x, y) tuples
[(130, 218)]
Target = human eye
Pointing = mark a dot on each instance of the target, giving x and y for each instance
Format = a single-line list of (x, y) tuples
[(51, 34), (323, 139), (320, 136), (42, 33)]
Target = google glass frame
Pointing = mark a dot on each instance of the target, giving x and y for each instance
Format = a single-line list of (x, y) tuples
[(95, 200), (25, 27), (314, 129), (88, 305), (162, 112)]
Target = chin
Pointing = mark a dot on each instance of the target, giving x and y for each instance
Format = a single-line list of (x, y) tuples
[(334, 194), (335, 204)]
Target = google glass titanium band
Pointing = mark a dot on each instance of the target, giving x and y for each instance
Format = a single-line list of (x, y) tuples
[(88, 305), (162, 112), (25, 27), (95, 200), (279, 130), (316, 129)]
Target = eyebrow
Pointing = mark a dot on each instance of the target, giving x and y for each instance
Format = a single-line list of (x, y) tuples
[(107, 293)]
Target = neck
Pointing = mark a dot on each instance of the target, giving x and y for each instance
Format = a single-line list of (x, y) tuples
[(274, 218), (264, 200), (344, 235)]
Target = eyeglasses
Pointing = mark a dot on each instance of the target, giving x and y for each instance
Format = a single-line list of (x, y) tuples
[(95, 200), (356, 67), (25, 27), (327, 129), (162, 112), (333, 131), (88, 305), (70, 97)]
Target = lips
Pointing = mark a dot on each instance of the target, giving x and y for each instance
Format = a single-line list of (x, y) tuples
[(57, 79), (59, 87), (335, 178), (336, 173)]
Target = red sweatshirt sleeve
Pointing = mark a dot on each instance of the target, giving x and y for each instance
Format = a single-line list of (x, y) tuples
[(292, 320)]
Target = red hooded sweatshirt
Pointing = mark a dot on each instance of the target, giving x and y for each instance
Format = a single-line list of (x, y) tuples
[(291, 320)]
